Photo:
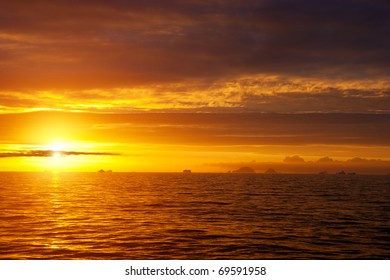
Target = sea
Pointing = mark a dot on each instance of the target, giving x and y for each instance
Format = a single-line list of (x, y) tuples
[(155, 216)]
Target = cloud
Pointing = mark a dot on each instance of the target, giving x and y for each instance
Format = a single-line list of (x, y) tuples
[(50, 153), (112, 44), (325, 160), (293, 159), (195, 56), (259, 93)]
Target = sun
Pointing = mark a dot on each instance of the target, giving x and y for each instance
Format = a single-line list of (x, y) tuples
[(57, 160), (56, 154), (64, 156), (56, 147)]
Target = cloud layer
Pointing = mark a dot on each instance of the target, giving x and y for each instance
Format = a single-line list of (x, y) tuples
[(168, 41), (50, 153), (326, 165), (260, 93), (250, 55), (201, 129)]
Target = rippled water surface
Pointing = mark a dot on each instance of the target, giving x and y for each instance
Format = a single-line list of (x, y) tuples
[(193, 216)]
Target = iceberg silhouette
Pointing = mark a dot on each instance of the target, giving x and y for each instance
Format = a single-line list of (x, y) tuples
[(245, 169), (270, 171)]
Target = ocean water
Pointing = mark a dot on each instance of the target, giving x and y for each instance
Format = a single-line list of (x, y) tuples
[(193, 216)]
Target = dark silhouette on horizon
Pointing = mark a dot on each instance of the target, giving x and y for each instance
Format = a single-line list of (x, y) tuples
[(245, 169), (270, 171)]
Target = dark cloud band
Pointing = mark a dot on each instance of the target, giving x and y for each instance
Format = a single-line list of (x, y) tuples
[(50, 153), (123, 43)]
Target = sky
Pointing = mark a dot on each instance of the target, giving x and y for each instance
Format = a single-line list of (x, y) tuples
[(300, 86)]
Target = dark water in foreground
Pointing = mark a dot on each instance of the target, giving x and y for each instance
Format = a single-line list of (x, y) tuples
[(193, 216)]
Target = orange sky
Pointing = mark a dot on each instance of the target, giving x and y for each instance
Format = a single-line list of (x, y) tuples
[(201, 85), (213, 142)]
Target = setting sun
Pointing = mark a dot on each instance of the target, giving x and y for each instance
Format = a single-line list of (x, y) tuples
[(58, 146)]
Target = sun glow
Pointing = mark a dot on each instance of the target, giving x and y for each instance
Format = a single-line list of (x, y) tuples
[(56, 154), (56, 147), (58, 161)]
